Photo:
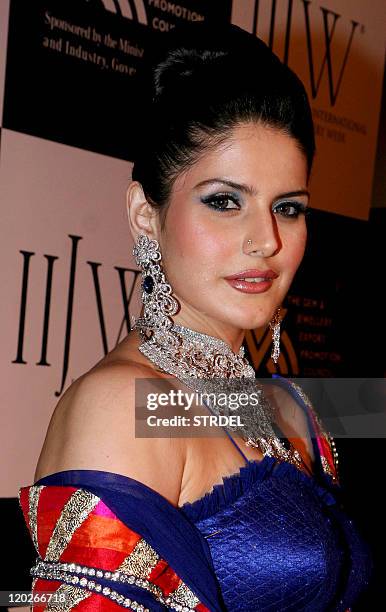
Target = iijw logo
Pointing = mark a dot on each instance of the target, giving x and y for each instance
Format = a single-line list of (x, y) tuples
[(327, 27), (46, 305), (131, 9)]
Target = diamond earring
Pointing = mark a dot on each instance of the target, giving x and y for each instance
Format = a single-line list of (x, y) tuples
[(159, 304), (274, 324)]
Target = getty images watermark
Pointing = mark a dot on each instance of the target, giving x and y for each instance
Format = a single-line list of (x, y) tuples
[(347, 407), (186, 400), (162, 410)]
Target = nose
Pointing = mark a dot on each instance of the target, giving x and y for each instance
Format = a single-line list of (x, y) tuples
[(262, 236)]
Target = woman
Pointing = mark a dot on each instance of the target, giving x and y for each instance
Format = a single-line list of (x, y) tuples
[(249, 521)]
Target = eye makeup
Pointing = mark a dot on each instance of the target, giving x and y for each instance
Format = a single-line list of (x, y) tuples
[(220, 201), (226, 201), (298, 208)]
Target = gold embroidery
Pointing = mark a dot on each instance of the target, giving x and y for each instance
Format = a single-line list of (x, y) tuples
[(184, 596), (66, 597), (141, 560), (34, 496), (75, 511)]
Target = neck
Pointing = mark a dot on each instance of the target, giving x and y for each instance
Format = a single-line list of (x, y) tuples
[(232, 336)]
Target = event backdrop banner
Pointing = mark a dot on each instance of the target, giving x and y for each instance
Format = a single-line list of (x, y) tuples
[(74, 61), (69, 280), (337, 49)]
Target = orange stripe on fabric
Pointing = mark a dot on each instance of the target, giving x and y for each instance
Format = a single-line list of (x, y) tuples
[(103, 532), (99, 558)]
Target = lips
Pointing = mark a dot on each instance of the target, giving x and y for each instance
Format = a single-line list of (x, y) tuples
[(253, 275), (252, 281)]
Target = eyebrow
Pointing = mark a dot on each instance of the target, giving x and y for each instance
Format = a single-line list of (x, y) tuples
[(250, 190)]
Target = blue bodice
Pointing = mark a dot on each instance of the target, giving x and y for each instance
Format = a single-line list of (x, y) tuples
[(280, 540)]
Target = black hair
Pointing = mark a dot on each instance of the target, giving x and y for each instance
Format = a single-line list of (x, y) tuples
[(200, 82)]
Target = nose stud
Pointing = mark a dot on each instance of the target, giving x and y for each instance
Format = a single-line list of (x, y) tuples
[(249, 242)]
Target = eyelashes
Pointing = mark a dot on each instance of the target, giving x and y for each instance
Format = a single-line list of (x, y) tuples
[(290, 209), (216, 201), (298, 208)]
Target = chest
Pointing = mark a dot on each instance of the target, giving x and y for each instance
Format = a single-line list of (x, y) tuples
[(275, 544)]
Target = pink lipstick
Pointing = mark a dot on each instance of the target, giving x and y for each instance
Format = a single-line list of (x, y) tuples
[(252, 281)]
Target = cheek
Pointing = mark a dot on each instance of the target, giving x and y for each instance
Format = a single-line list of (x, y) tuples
[(294, 244), (198, 244)]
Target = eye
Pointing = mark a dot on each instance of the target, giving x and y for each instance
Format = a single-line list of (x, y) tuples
[(219, 201), (292, 209)]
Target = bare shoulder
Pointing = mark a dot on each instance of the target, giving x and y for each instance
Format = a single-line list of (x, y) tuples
[(93, 427)]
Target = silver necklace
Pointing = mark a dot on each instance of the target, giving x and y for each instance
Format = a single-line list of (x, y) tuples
[(208, 365)]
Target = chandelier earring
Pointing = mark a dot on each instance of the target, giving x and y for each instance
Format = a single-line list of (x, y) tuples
[(158, 301)]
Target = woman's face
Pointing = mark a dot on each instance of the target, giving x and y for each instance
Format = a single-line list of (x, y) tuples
[(209, 222)]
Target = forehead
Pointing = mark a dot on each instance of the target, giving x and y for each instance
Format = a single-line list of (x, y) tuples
[(254, 154)]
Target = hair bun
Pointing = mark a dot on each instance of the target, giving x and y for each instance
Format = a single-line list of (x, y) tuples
[(197, 49), (182, 63)]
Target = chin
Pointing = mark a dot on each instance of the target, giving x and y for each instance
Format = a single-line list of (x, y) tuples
[(256, 323), (245, 319)]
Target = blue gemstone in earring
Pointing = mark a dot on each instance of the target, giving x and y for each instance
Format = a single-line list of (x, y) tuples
[(148, 284)]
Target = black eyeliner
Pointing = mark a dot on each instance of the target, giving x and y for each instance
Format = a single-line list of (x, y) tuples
[(211, 200), (300, 208)]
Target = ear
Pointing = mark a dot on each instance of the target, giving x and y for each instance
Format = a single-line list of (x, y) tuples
[(143, 218)]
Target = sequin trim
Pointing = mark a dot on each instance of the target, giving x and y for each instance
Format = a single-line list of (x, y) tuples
[(182, 600), (75, 511), (34, 496), (141, 560), (326, 466), (51, 571), (185, 596)]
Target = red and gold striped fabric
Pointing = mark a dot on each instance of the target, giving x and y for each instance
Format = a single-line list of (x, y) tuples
[(89, 556)]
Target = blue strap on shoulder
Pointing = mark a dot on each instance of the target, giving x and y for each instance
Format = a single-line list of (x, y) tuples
[(229, 436)]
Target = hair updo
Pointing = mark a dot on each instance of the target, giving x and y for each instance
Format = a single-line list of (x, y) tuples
[(199, 83)]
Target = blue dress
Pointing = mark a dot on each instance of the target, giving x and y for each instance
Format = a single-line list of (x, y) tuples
[(280, 540)]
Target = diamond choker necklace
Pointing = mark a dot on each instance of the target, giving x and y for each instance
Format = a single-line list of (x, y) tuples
[(195, 354), (209, 366)]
